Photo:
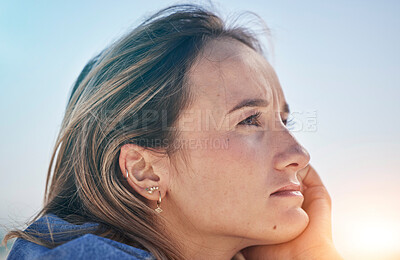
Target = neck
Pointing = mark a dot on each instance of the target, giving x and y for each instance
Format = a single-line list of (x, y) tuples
[(198, 246), (208, 247)]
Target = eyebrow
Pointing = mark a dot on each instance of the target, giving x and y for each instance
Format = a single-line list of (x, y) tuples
[(250, 103), (256, 103)]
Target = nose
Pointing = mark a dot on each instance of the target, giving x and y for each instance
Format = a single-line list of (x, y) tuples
[(291, 156)]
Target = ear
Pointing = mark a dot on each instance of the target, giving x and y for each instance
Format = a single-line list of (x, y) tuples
[(146, 169)]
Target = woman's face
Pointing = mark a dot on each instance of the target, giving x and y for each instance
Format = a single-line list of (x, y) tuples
[(237, 155)]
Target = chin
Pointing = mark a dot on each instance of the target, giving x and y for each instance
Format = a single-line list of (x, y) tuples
[(284, 226), (290, 225)]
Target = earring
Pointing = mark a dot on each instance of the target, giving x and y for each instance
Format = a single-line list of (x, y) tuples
[(127, 173), (151, 189), (158, 209)]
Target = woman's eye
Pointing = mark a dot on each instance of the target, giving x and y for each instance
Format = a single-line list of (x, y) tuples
[(252, 120), (288, 122)]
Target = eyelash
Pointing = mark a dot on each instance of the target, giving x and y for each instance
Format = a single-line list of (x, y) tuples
[(256, 116)]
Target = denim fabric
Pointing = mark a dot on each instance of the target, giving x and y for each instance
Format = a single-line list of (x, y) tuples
[(76, 246)]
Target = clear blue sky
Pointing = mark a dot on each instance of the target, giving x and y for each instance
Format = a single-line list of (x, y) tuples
[(338, 58)]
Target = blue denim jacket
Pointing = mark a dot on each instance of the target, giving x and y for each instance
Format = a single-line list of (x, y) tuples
[(87, 246)]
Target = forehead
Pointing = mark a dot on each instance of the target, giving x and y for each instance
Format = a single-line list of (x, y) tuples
[(227, 71)]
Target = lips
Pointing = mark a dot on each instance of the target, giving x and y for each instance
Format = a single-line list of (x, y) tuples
[(289, 187)]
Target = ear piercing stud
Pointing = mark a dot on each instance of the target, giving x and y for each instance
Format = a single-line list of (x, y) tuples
[(152, 189)]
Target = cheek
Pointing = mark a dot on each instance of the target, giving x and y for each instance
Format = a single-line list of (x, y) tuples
[(247, 147), (236, 172), (240, 157), (219, 169), (250, 153)]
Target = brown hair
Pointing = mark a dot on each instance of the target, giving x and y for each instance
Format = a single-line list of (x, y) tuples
[(145, 70)]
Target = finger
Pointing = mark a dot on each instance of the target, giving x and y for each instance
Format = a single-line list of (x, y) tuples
[(315, 190), (310, 177), (317, 202)]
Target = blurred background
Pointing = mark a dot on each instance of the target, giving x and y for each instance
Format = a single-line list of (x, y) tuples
[(338, 63)]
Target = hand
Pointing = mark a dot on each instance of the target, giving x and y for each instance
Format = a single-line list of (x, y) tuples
[(316, 240)]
